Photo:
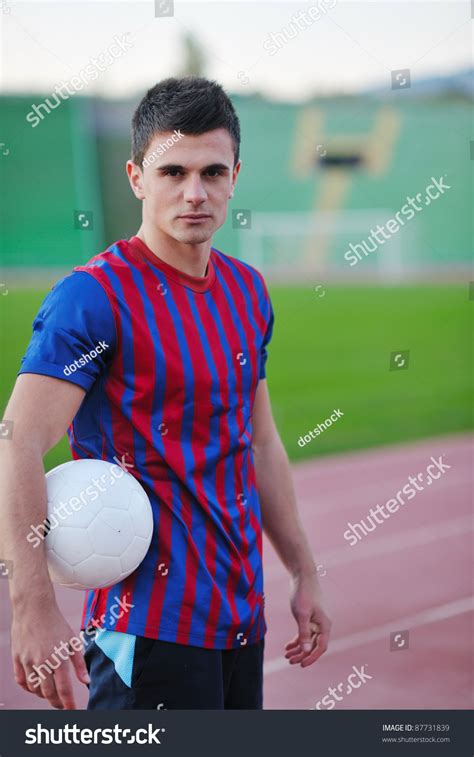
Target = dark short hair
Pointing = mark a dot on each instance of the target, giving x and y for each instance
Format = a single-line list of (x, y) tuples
[(192, 104)]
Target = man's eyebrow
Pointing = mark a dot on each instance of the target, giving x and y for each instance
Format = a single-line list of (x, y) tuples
[(176, 167)]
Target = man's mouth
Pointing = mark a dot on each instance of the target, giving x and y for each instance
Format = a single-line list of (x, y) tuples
[(195, 216)]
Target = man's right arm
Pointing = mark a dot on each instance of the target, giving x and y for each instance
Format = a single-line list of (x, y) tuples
[(41, 409)]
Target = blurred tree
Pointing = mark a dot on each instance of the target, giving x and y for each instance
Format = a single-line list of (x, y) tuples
[(194, 61)]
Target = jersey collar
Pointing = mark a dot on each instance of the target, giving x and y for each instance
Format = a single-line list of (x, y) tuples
[(196, 283)]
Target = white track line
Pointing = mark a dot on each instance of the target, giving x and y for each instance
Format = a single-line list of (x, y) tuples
[(383, 545), (339, 499), (432, 615), (379, 459)]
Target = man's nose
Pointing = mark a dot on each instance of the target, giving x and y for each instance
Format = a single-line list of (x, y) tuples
[(194, 190)]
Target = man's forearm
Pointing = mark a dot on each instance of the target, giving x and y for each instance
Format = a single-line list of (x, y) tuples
[(280, 518), (23, 501)]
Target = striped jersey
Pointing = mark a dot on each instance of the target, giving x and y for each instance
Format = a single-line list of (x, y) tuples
[(170, 363)]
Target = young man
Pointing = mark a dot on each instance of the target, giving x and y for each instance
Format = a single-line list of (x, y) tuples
[(178, 393)]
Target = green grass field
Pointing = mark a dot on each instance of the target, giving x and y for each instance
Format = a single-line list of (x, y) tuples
[(333, 352)]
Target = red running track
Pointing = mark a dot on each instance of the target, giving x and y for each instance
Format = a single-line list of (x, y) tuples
[(412, 573)]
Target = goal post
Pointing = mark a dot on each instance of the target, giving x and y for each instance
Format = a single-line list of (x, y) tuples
[(295, 245)]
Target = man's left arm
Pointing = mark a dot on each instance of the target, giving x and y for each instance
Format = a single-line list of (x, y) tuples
[(282, 524)]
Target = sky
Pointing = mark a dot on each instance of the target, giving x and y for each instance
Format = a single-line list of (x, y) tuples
[(350, 47)]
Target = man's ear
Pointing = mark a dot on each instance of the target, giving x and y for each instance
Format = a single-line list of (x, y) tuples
[(235, 173), (135, 177)]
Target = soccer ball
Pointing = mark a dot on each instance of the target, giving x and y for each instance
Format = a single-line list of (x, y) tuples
[(99, 524)]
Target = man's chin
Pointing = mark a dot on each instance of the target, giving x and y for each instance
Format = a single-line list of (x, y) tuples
[(193, 236)]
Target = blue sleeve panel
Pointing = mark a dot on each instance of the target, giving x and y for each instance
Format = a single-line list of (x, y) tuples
[(74, 334)]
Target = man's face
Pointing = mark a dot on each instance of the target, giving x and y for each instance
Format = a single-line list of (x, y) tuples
[(186, 189)]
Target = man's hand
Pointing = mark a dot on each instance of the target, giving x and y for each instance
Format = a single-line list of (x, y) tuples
[(36, 632), (314, 625)]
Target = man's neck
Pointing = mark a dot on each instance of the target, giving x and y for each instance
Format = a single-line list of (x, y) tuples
[(191, 259)]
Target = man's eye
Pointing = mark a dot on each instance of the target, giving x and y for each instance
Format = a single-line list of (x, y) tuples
[(212, 172)]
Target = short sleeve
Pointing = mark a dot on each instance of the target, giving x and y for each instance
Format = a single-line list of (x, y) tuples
[(74, 334), (267, 337)]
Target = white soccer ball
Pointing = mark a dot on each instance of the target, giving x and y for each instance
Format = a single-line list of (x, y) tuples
[(99, 525)]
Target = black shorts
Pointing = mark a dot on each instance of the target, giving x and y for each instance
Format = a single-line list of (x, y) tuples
[(130, 672)]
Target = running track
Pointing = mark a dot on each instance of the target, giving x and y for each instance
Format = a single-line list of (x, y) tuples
[(413, 573)]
